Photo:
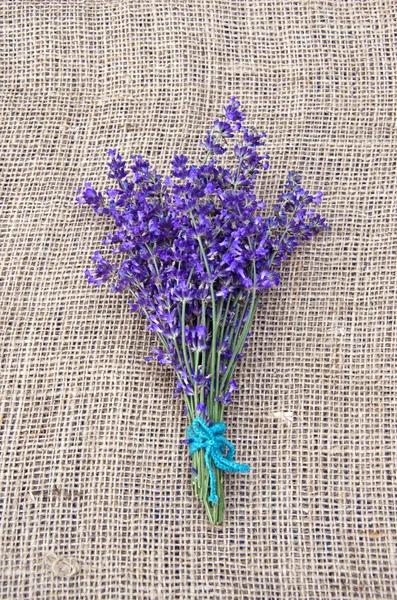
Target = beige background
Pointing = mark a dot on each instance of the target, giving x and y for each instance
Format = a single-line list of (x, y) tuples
[(96, 496)]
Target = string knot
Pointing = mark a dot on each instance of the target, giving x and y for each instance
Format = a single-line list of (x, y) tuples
[(211, 438)]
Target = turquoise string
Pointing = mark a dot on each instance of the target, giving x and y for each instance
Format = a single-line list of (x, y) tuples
[(210, 437)]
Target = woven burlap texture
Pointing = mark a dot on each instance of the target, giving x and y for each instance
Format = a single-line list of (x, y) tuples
[(96, 490)]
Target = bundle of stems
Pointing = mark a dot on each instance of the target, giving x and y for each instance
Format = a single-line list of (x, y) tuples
[(195, 254)]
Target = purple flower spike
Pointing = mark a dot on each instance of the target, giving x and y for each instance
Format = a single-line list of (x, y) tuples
[(102, 272), (232, 112)]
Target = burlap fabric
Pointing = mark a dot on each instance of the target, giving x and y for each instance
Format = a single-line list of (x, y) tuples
[(96, 495)]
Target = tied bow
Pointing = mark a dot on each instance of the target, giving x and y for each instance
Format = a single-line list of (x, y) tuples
[(210, 437)]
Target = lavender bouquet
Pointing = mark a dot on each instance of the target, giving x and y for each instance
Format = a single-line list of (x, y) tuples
[(195, 253)]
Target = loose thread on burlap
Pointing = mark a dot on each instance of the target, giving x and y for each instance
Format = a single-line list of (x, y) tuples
[(62, 566), (210, 437)]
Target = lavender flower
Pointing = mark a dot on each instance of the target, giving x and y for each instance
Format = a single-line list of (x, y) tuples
[(194, 253)]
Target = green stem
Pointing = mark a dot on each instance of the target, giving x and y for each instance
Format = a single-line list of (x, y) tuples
[(214, 319), (183, 325), (240, 312), (215, 512), (241, 341)]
